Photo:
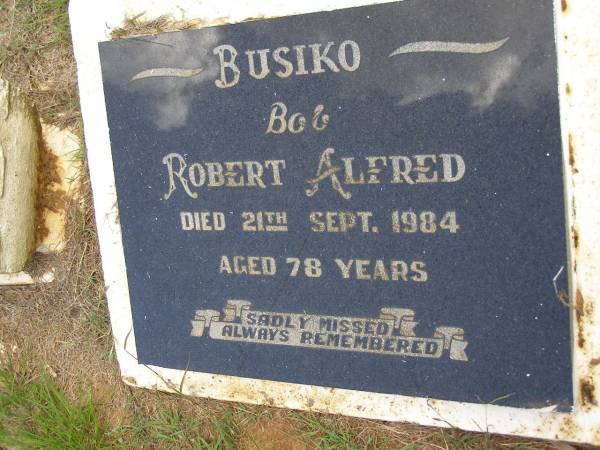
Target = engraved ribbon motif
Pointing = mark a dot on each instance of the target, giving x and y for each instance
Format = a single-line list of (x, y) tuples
[(392, 333), (449, 47), (412, 47), (166, 72)]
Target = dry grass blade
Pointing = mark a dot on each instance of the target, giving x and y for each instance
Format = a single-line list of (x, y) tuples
[(137, 27), (36, 55)]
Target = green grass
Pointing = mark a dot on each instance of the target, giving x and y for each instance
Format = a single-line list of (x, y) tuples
[(466, 441), (171, 428), (35, 55), (327, 434), (34, 17), (34, 414), (51, 14)]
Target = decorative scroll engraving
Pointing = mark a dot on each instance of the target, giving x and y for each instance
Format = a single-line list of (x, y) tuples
[(392, 333), (449, 47), (412, 47), (166, 72)]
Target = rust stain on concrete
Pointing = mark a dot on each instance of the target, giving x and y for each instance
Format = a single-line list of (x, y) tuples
[(579, 315), (575, 234), (568, 428), (50, 197), (58, 185), (572, 162), (587, 392)]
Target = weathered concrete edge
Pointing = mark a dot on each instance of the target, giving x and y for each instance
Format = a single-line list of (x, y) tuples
[(20, 134), (578, 40), (24, 278), (579, 61)]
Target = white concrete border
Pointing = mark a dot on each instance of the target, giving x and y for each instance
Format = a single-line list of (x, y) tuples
[(579, 62), (24, 278)]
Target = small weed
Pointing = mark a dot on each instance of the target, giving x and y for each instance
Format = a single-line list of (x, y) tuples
[(172, 428), (225, 430), (329, 434), (34, 414), (96, 314), (466, 441)]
